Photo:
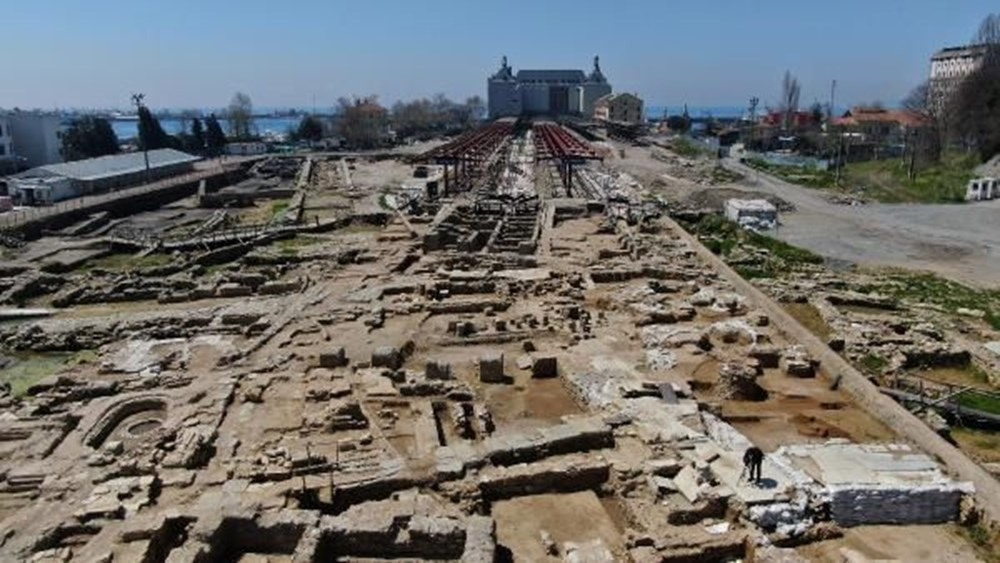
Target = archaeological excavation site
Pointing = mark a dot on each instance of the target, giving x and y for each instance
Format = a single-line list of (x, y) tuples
[(495, 347)]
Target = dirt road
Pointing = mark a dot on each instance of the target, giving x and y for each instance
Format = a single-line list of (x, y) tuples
[(961, 241)]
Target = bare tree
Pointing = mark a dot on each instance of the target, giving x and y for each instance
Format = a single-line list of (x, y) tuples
[(790, 90), (974, 109), (922, 144), (989, 31), (475, 107), (362, 121), (918, 100), (240, 116)]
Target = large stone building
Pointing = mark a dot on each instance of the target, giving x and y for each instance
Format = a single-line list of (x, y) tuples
[(6, 144), (545, 92), (949, 67), (622, 108), (30, 139)]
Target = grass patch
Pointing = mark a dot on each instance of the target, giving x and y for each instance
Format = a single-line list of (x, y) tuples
[(360, 227), (983, 444), (805, 176), (946, 294), (722, 237), (987, 543), (127, 262), (980, 401), (278, 208), (30, 368), (213, 269), (383, 202), (783, 250), (808, 316), (752, 273), (687, 148), (887, 181), (722, 175), (291, 245), (873, 363)]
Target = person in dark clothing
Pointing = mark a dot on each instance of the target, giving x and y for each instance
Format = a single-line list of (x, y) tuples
[(752, 461)]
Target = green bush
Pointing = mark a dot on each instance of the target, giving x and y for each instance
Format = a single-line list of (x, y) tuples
[(721, 236), (873, 363)]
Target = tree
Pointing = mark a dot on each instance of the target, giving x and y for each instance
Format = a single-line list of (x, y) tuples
[(476, 107), (310, 129), (362, 121), (973, 112), (679, 123), (196, 141), (215, 139), (790, 90), (922, 145), (816, 113), (186, 117), (89, 137), (240, 115), (989, 31), (151, 133), (918, 99), (976, 111)]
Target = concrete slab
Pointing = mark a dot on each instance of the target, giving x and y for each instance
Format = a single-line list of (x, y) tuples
[(776, 483), (842, 463)]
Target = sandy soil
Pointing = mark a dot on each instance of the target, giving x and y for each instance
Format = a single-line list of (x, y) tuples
[(932, 543), (576, 517)]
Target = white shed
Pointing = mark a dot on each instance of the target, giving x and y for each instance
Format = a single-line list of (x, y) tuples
[(752, 213), (982, 189)]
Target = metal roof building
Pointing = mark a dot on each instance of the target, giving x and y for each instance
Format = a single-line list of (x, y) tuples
[(55, 182), (111, 166)]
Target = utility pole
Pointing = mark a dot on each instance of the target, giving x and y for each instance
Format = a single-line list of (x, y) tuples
[(833, 90), (137, 99), (754, 100)]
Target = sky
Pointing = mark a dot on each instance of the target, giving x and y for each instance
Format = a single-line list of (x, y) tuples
[(294, 53)]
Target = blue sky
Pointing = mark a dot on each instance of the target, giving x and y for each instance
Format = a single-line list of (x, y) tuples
[(187, 53)]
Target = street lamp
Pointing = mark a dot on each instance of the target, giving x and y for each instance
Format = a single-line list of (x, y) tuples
[(137, 99)]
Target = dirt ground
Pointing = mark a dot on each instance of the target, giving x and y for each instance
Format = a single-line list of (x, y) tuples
[(982, 445), (319, 398), (926, 543), (577, 517)]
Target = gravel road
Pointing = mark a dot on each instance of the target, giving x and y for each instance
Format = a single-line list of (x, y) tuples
[(961, 241)]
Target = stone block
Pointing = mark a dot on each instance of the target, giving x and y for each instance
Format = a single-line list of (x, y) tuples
[(799, 368), (439, 370), (686, 481), (335, 359), (233, 290), (387, 357), (491, 368), (768, 356), (545, 367)]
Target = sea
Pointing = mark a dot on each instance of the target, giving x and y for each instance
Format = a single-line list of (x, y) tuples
[(264, 126), (724, 112), (270, 125)]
